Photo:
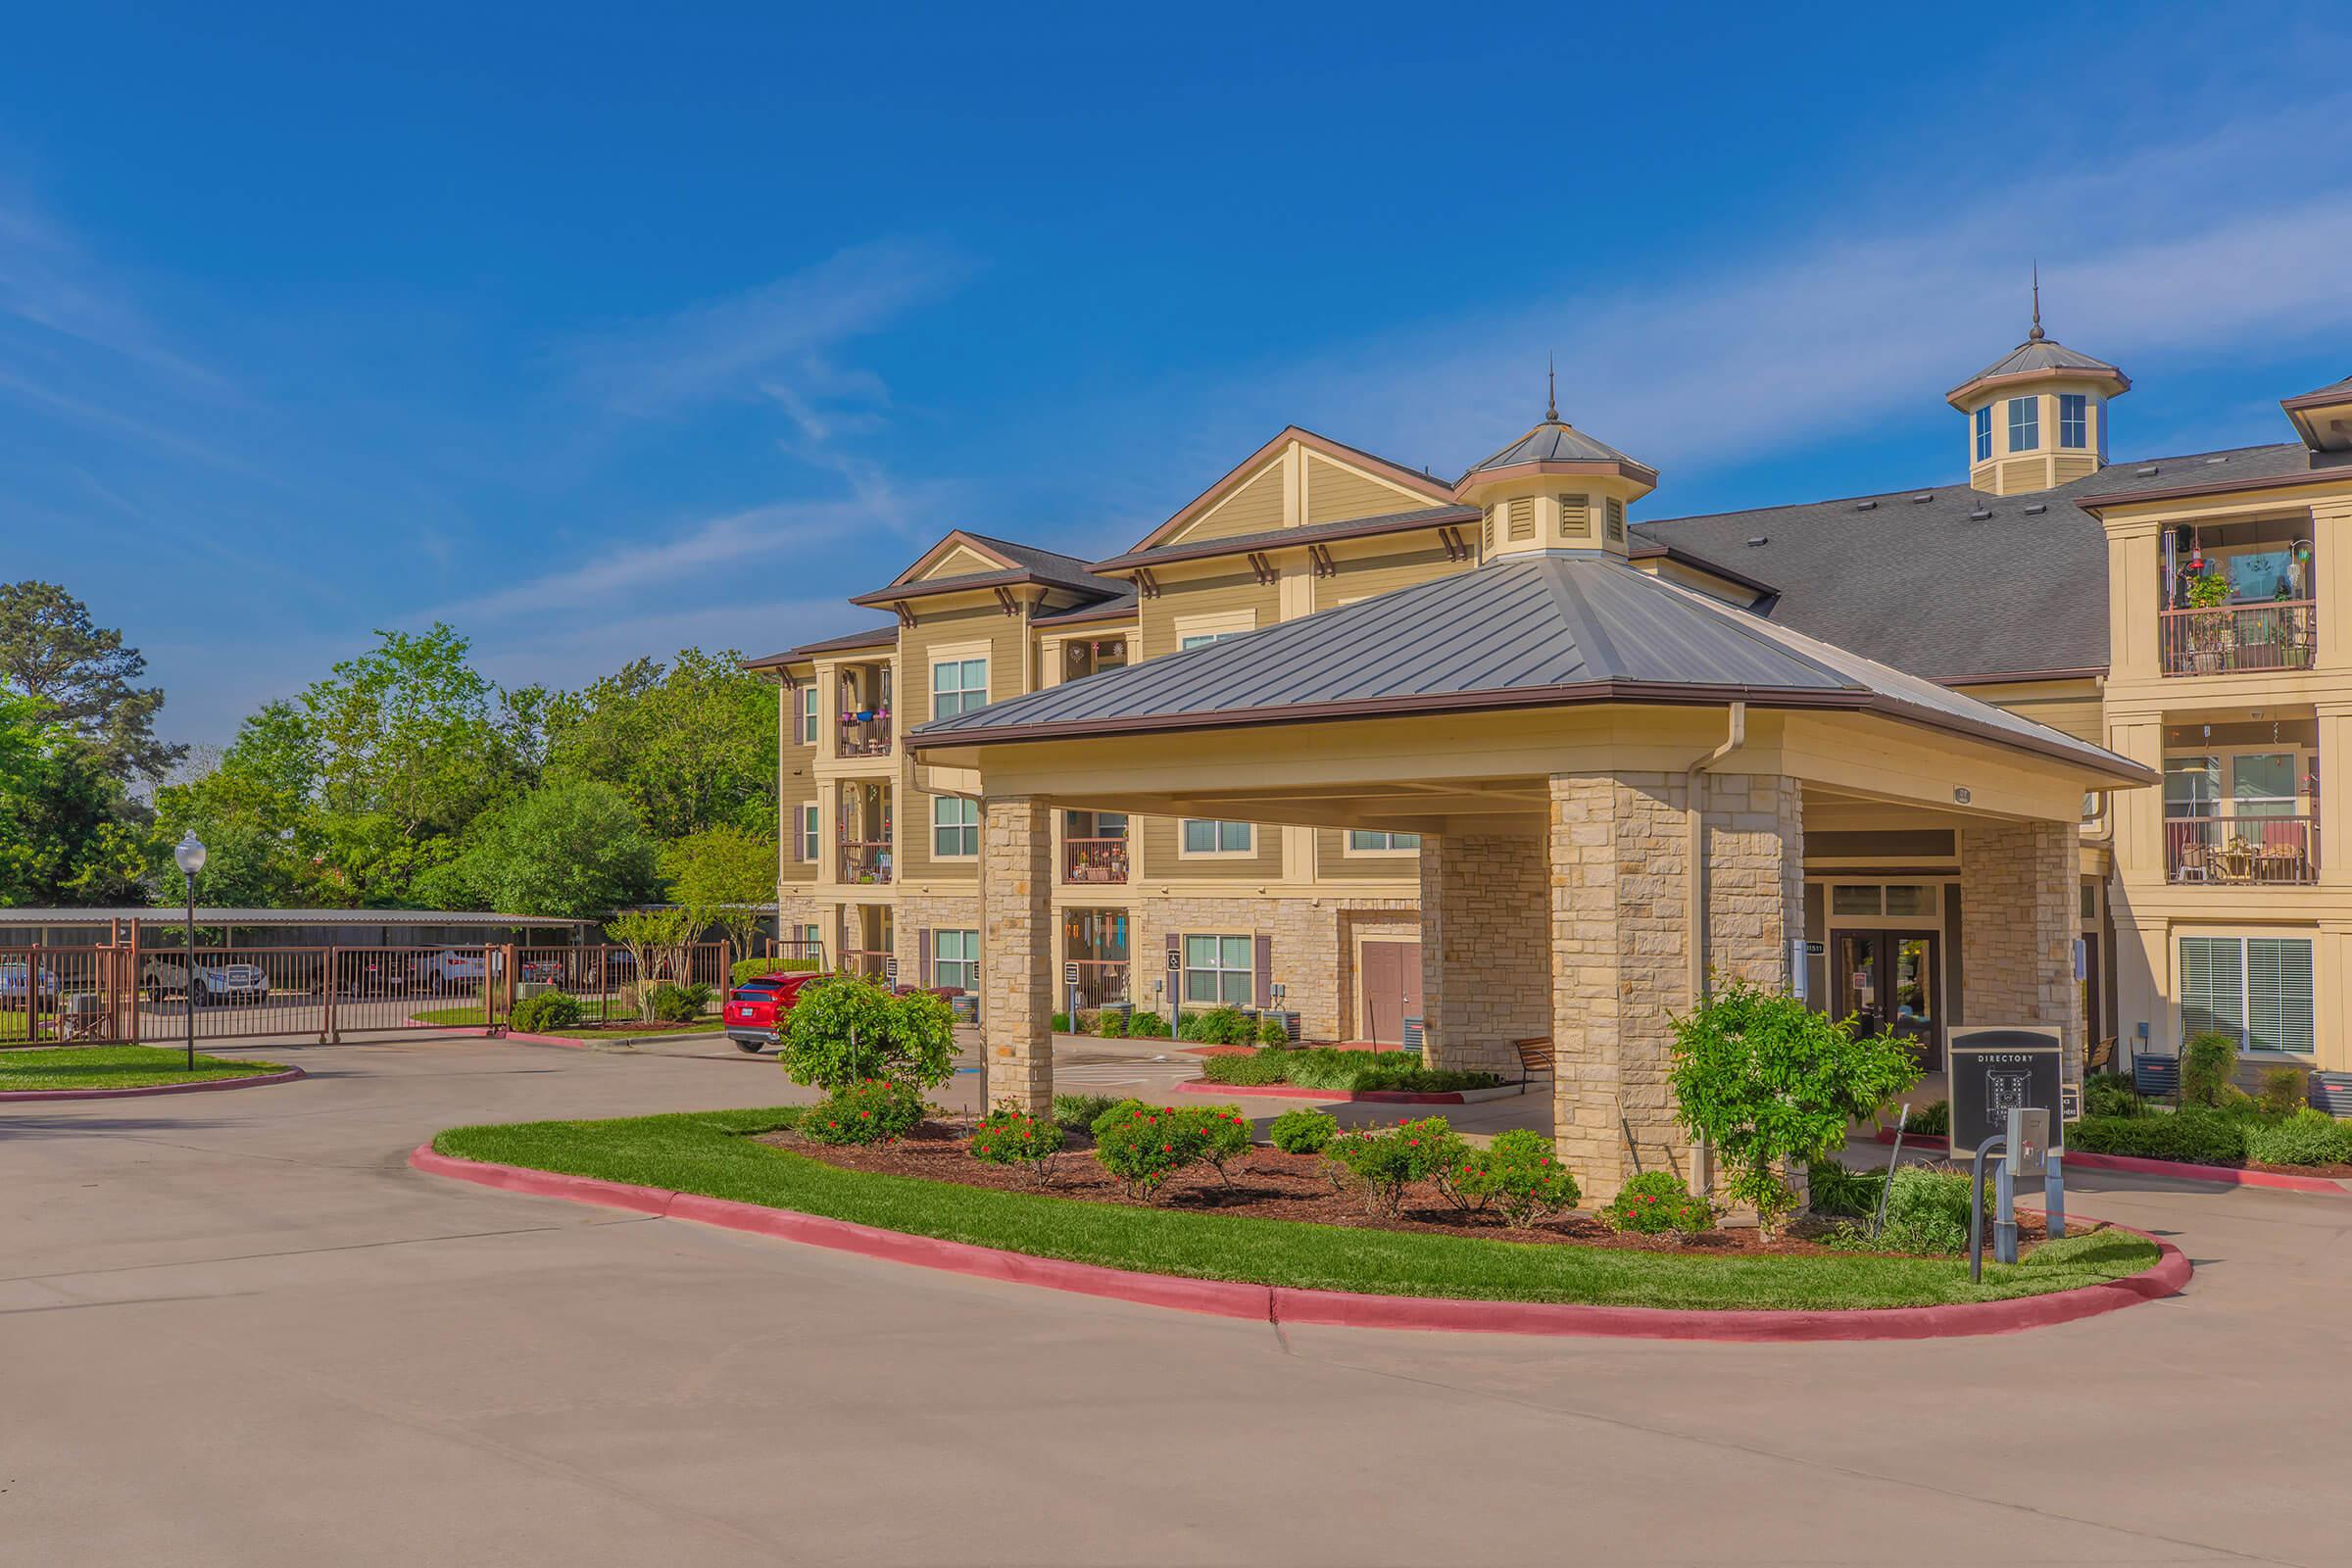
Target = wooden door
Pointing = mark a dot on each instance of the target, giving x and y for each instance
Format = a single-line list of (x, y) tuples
[(1390, 989)]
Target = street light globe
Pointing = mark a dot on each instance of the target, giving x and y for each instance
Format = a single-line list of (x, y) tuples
[(189, 852)]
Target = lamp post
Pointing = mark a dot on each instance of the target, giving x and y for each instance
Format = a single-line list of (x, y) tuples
[(189, 852)]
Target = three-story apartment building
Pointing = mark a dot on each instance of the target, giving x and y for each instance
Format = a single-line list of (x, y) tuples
[(2186, 611)]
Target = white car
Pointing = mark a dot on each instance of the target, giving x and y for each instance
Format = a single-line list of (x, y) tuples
[(17, 980), (217, 982), (453, 967)]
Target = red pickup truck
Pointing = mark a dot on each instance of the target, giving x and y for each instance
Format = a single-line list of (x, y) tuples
[(755, 1009)]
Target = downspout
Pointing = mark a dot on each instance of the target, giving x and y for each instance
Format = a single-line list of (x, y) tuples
[(1694, 827)]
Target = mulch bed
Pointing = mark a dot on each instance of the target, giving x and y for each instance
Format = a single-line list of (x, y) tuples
[(1269, 1184)]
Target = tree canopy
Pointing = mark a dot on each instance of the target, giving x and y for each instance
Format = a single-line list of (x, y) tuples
[(52, 651)]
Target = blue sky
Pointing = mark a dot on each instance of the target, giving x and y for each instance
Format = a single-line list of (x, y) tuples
[(598, 332)]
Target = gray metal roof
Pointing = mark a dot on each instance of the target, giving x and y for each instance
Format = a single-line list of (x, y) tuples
[(1949, 582), (218, 914), (1526, 631), (2040, 353), (1554, 441)]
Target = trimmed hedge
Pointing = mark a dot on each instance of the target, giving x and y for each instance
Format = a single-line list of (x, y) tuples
[(2194, 1134), (550, 1009), (1350, 1071)]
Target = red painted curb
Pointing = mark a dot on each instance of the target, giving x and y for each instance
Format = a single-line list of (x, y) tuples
[(2181, 1170), (1338, 1309), (254, 1082), (1385, 1096)]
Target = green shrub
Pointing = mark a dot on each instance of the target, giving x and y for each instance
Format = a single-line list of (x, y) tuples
[(1841, 1194), (2196, 1134), (1219, 1026), (743, 969), (1147, 1025), (1518, 1173), (1303, 1131), (1272, 1032), (1388, 1160), (2282, 1090), (1142, 1145), (1059, 1023), (1926, 1212), (845, 1029), (1349, 1072), (1011, 1137), (2308, 1137), (1770, 1083), (677, 1003), (876, 1110), (2207, 1064), (2110, 1094), (1077, 1113), (1657, 1204), (1257, 1068), (1110, 1025), (550, 1009), (1930, 1120)]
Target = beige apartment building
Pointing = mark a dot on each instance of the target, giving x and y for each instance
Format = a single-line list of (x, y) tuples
[(2182, 611)]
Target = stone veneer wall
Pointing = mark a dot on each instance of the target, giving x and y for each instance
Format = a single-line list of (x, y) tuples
[(916, 914), (1618, 853), (2019, 913), (1486, 950), (1016, 953), (1310, 953)]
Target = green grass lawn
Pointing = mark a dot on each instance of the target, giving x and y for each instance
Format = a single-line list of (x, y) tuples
[(117, 1067), (711, 1154), (469, 1016)]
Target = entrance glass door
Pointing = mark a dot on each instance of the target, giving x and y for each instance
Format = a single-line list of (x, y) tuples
[(1889, 982)]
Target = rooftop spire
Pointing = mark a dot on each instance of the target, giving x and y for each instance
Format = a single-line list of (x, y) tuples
[(1551, 393), (2034, 336)]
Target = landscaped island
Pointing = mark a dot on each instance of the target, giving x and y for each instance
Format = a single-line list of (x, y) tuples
[(83, 1067)]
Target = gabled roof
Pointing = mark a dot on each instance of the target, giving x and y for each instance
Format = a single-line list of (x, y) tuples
[(1556, 446), (2331, 434), (1395, 473), (1016, 564), (1117, 608), (849, 641), (1532, 631), (1306, 534)]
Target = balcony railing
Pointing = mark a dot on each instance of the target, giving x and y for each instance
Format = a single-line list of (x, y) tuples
[(1094, 860), (2243, 850), (873, 964), (866, 737), (1100, 981), (2281, 634), (865, 861)]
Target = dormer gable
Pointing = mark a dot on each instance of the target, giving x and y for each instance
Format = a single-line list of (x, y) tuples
[(1298, 478)]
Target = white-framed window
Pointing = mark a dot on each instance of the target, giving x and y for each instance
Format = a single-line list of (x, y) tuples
[(1216, 970), (804, 720), (955, 958), (2256, 989), (1362, 842), (1205, 836), (2024, 423), (958, 686), (1200, 630), (955, 827), (1985, 433), (1202, 639), (2074, 420), (805, 845)]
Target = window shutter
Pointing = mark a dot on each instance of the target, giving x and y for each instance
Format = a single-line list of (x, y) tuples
[(1520, 520), (1261, 966), (1616, 520), (2278, 1011), (922, 946), (2212, 988), (1576, 518), (1486, 531)]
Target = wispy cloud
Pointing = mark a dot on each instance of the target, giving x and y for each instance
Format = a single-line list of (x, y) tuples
[(49, 280)]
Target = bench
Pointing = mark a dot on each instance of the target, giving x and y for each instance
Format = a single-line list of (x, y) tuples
[(1535, 1056), (2101, 1056)]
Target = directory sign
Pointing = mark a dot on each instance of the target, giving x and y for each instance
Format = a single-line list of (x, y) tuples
[(1997, 1069)]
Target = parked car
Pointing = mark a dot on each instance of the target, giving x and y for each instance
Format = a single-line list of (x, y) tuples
[(453, 968), (217, 981), (17, 981), (372, 974), (757, 1009)]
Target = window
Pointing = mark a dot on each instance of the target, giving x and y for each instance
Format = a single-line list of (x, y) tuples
[(1216, 972), (954, 826), (2024, 423), (2262, 784), (955, 958), (2256, 989), (1910, 898), (1985, 433), (804, 724), (958, 686), (1204, 837), (2192, 786), (1202, 639), (1360, 842), (2074, 420), (805, 847)]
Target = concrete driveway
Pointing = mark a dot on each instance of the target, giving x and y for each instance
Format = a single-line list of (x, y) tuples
[(235, 1329)]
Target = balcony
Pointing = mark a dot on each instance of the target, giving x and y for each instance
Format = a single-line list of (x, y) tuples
[(865, 861), (2243, 850), (863, 736), (1095, 859), (862, 695), (1100, 981), (2238, 639)]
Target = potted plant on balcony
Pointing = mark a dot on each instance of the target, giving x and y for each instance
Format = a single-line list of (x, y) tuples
[(2210, 634)]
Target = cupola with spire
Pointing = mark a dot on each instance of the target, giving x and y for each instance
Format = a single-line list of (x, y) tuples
[(1555, 489), (2037, 415)]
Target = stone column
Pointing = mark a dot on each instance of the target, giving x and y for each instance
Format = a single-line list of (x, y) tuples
[(1016, 952), (1486, 946), (1618, 857), (2021, 902)]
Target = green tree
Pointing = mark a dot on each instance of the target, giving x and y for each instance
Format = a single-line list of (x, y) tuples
[(844, 1029), (731, 873), (1771, 1083), (69, 832), (570, 849), (657, 941), (693, 743), (252, 811), (51, 649)]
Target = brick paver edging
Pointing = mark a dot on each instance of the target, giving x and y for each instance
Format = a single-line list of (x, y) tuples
[(1275, 1304), (254, 1082), (2179, 1170)]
